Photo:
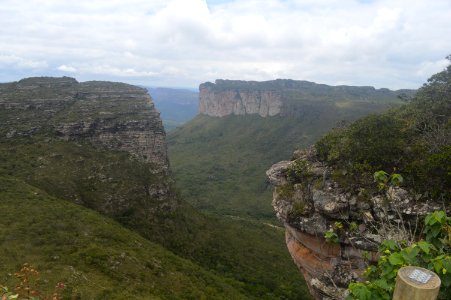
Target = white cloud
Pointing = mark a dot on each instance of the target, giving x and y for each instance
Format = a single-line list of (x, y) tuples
[(386, 43), (65, 68), (14, 61)]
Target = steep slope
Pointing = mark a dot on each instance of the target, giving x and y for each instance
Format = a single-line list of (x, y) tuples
[(78, 140), (220, 157), (93, 256)]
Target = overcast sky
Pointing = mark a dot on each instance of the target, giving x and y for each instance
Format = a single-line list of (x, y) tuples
[(182, 43)]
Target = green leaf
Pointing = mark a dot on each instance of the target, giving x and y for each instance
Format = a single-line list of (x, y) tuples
[(360, 291), (409, 254), (396, 179), (395, 259), (382, 283), (390, 245), (380, 176), (435, 231), (424, 246)]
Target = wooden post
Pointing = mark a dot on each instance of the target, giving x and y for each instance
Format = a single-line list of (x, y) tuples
[(415, 283)]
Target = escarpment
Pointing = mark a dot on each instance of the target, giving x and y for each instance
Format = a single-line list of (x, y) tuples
[(333, 233), (115, 115), (120, 167), (285, 97)]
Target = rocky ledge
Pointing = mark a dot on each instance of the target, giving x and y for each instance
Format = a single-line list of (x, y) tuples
[(312, 206)]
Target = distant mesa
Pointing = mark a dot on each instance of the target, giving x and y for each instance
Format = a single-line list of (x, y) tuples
[(282, 96)]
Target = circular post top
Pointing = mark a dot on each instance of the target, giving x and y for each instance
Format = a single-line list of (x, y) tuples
[(419, 277)]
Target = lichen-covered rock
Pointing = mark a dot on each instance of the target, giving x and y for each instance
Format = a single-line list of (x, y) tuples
[(310, 203), (276, 174)]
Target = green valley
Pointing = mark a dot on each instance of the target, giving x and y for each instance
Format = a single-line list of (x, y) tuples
[(65, 143), (220, 162)]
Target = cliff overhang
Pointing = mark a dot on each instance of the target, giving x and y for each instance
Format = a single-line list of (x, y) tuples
[(333, 234)]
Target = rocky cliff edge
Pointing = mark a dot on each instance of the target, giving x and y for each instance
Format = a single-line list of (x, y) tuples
[(311, 205)]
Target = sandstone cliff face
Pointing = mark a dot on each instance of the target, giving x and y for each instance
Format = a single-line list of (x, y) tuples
[(288, 98), (118, 116), (220, 103), (313, 203)]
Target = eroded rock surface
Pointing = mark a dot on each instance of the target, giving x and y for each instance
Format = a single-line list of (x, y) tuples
[(310, 203)]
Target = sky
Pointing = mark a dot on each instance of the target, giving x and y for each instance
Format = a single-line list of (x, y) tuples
[(182, 43)]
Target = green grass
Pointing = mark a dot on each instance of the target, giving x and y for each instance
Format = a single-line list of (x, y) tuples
[(93, 255)]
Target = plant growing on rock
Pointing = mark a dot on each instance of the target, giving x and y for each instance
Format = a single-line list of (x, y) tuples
[(331, 237), (384, 180), (432, 252), (298, 171)]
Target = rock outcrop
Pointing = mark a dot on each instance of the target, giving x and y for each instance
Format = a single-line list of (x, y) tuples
[(313, 206), (282, 97), (115, 115), (106, 115)]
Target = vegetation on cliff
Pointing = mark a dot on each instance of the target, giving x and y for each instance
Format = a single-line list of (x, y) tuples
[(432, 252), (367, 182), (414, 140)]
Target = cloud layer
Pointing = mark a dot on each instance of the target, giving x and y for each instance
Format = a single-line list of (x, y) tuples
[(386, 43)]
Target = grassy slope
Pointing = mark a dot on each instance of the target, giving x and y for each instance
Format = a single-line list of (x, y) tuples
[(256, 257), (95, 256)]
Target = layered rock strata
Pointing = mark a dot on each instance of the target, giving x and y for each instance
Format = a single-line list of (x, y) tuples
[(219, 103), (310, 203), (115, 115), (284, 97)]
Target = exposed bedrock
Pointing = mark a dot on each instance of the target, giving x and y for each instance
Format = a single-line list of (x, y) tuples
[(313, 203)]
